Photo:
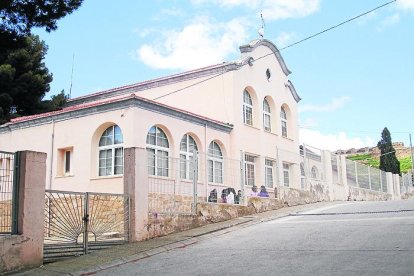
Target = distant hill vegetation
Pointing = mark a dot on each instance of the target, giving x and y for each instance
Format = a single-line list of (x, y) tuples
[(370, 156)]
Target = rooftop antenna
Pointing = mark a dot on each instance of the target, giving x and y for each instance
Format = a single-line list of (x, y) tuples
[(71, 76), (262, 29)]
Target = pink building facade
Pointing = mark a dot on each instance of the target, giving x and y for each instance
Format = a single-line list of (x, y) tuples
[(241, 110)]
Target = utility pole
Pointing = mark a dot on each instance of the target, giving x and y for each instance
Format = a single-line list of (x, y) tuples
[(411, 154)]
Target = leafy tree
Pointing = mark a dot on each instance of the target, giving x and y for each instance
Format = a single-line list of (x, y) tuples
[(24, 78), (388, 160), (17, 17), (56, 102)]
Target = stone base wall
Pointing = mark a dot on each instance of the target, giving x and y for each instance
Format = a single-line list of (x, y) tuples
[(408, 195), (292, 197), (359, 194), (164, 224)]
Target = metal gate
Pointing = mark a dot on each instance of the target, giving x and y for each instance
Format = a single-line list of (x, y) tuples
[(8, 192), (77, 223)]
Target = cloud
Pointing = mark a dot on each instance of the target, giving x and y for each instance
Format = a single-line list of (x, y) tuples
[(283, 9), (285, 39), (334, 141), (335, 104), (174, 12), (390, 20), (198, 44), (406, 4), (230, 3), (272, 9)]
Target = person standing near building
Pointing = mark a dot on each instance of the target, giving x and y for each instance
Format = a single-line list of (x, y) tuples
[(254, 192)]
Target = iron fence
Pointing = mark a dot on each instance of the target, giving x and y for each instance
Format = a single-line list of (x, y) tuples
[(7, 192)]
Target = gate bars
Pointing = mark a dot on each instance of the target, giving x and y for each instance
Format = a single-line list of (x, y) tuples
[(9, 168), (78, 222)]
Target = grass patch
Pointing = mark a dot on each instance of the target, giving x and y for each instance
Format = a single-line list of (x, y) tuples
[(368, 159)]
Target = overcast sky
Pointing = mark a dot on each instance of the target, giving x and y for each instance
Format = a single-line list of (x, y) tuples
[(353, 80)]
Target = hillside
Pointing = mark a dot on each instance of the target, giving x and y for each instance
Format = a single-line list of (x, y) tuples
[(373, 161)]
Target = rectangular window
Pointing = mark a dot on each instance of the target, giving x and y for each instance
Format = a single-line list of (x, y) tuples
[(266, 122), (119, 161), (249, 169), (68, 157), (284, 128), (151, 161), (269, 173), (218, 172), (65, 161), (105, 162), (286, 174), (158, 162), (210, 170), (183, 166), (248, 115)]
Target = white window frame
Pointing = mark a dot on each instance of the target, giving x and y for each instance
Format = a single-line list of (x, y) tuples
[(159, 151), (269, 168), (247, 108), (267, 116), (113, 149), (188, 157), (217, 164), (286, 174), (249, 170), (284, 122)]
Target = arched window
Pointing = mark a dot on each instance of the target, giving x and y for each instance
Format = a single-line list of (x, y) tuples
[(314, 173), (187, 148), (157, 148), (111, 152), (266, 116), (283, 122), (215, 163), (247, 108)]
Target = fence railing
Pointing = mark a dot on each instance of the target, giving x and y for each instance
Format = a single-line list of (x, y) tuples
[(177, 184), (7, 192), (366, 177)]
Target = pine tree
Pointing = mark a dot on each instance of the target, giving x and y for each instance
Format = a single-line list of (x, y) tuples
[(388, 160), (24, 78)]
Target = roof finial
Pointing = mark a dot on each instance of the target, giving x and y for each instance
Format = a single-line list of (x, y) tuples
[(261, 30)]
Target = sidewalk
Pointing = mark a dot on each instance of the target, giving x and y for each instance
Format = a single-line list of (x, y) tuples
[(118, 255)]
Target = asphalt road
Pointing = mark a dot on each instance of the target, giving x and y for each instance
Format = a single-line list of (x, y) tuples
[(355, 238)]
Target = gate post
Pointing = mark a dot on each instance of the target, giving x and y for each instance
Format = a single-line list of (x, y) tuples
[(136, 186), (24, 249), (86, 223)]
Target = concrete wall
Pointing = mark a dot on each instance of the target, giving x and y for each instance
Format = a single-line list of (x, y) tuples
[(25, 249)]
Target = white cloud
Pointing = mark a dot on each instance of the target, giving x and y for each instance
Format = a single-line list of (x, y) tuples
[(406, 4), (333, 142), (230, 3), (173, 12), (198, 44), (391, 20), (285, 39), (272, 9), (335, 104), (367, 18), (283, 9)]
